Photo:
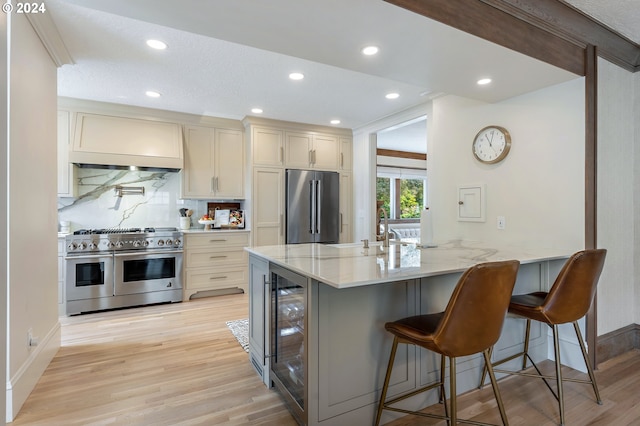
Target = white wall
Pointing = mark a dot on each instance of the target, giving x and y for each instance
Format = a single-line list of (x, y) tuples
[(32, 219), (538, 188), (636, 180), (4, 190), (617, 202)]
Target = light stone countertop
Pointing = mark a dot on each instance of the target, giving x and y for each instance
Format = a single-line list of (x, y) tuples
[(351, 265), (211, 231)]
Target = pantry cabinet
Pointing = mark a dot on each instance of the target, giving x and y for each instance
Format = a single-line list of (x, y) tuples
[(214, 163), (345, 207), (268, 206), (215, 260)]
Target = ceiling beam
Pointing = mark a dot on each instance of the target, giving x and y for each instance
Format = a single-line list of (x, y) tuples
[(549, 30)]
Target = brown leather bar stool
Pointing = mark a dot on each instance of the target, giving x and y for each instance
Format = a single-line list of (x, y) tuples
[(568, 300), (470, 324)]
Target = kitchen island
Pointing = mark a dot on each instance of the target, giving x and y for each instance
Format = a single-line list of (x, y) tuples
[(317, 315)]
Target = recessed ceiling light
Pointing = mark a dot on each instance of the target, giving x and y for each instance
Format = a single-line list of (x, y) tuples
[(296, 76), (484, 81), (256, 110), (392, 96), (370, 50), (153, 94), (335, 121), (157, 44)]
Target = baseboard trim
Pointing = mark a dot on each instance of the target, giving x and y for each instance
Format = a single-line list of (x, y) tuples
[(617, 342), (25, 379)]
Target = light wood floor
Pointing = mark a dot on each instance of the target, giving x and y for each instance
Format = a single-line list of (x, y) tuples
[(179, 364)]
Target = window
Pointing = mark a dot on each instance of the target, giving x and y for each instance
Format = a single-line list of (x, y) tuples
[(402, 197)]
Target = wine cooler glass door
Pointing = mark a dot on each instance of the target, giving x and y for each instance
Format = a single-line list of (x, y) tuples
[(288, 322)]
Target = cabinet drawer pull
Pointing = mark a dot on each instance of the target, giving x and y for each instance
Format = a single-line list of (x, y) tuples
[(218, 241), (218, 278), (218, 257)]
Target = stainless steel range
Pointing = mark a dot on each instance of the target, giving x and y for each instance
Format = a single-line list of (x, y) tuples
[(116, 268)]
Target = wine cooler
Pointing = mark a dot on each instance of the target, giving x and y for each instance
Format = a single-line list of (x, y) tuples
[(288, 338)]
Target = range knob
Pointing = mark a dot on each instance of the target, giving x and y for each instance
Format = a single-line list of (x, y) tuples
[(160, 243), (137, 243), (169, 242), (93, 246), (145, 243), (119, 244), (72, 246), (111, 244), (82, 245), (177, 242)]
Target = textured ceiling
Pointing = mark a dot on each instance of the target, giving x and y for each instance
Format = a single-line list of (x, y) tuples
[(226, 57), (621, 15)]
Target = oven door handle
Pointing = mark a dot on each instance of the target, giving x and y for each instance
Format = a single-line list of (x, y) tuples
[(148, 252), (89, 256)]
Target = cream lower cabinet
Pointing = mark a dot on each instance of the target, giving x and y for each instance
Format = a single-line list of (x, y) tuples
[(214, 163), (215, 260)]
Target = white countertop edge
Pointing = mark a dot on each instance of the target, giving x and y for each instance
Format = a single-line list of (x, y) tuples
[(525, 255), (212, 231)]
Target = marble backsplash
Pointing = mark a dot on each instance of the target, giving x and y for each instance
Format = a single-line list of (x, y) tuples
[(97, 205)]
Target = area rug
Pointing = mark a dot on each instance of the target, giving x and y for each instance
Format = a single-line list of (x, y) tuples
[(240, 329)]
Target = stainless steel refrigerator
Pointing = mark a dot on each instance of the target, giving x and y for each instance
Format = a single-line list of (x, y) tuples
[(313, 206)]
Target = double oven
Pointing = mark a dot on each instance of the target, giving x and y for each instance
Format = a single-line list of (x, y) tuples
[(116, 268)]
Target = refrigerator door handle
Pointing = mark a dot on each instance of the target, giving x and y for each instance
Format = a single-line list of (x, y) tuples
[(318, 205), (312, 209)]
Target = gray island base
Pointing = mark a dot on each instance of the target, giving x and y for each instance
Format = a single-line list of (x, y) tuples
[(317, 315)]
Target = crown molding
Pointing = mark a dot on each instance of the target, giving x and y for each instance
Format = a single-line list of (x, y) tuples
[(48, 33)]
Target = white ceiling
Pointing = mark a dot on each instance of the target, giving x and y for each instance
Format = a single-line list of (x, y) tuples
[(226, 57)]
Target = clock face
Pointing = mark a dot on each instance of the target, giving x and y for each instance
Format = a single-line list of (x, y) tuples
[(491, 144)]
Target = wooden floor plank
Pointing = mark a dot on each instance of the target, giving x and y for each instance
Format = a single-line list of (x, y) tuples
[(179, 364)]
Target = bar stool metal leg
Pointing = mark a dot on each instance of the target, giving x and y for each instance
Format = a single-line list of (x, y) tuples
[(494, 384), (527, 333), (588, 364), (556, 347), (387, 377)]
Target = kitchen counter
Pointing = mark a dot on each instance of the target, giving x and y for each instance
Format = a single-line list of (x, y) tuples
[(331, 303), (211, 231), (351, 265)]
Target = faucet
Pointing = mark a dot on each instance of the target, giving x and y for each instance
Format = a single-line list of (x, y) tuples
[(386, 226)]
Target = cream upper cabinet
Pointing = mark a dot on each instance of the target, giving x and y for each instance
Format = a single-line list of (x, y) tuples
[(346, 153), (214, 163), (311, 151), (267, 148), (67, 182)]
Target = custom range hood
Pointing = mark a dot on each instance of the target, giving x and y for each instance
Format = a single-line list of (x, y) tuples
[(111, 142)]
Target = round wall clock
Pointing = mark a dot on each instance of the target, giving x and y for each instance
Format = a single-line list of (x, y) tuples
[(491, 144)]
